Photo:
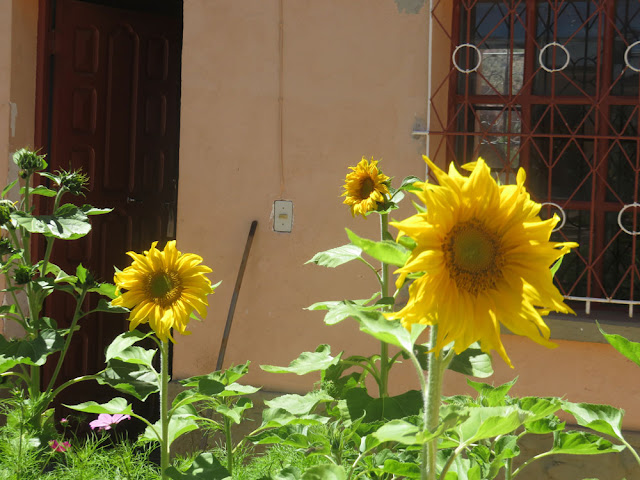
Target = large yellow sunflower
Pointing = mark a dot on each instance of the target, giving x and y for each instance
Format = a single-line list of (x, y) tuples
[(163, 289), (365, 187), (484, 257)]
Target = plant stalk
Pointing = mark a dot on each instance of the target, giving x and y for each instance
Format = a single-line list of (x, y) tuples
[(384, 290), (67, 342), (229, 444), (432, 398), (164, 416)]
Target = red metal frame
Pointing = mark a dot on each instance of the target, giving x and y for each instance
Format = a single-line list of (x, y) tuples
[(555, 138)]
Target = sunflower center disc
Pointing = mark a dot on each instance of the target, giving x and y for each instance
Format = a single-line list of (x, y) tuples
[(473, 256), (165, 288), (367, 187)]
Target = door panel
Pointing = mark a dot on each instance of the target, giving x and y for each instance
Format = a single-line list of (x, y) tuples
[(115, 93)]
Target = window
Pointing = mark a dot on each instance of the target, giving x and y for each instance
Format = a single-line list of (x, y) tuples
[(553, 86)]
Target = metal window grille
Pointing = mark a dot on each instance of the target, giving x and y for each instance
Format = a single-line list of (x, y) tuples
[(552, 86)]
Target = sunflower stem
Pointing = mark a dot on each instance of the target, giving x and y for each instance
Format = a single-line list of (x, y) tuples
[(432, 398), (67, 342), (384, 290), (164, 417)]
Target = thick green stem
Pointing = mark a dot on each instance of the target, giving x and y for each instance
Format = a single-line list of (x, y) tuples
[(67, 342), (432, 398), (164, 417), (229, 443), (632, 450), (384, 284)]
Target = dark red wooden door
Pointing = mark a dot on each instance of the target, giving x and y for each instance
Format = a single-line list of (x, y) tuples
[(115, 100)]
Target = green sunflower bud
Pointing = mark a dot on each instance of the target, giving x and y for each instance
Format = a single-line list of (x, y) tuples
[(6, 247), (29, 162), (22, 275), (74, 181), (6, 208)]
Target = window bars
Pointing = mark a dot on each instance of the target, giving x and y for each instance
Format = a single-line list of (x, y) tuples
[(551, 86)]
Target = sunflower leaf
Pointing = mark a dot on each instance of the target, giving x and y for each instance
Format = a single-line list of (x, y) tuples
[(114, 406), (135, 379), (324, 472), (183, 420), (39, 190), (582, 443), (473, 361), (626, 347), (307, 362), (89, 210), (339, 311), (601, 418), (8, 188), (67, 223), (204, 467), (30, 351), (336, 256), (104, 306), (386, 251)]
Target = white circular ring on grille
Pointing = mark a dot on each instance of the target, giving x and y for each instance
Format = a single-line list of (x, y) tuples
[(561, 47), (564, 215), (466, 70), (626, 56), (628, 232)]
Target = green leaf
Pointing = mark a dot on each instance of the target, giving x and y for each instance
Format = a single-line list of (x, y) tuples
[(29, 351), (545, 425), (234, 412), (89, 210), (81, 273), (538, 407), (336, 256), (398, 431), (341, 310), (277, 417), (106, 289), (555, 267), (204, 467), (601, 418), (489, 422), (491, 396), (582, 443), (133, 354), (307, 362), (401, 469), (183, 420), (39, 190), (361, 404), (238, 389), (8, 188), (132, 378), (324, 472), (124, 341), (67, 223), (298, 404), (105, 306), (386, 251), (473, 361), (113, 406), (388, 331), (629, 349)]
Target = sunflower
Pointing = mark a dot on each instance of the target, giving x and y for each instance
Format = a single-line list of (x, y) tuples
[(163, 289), (483, 257), (365, 187)]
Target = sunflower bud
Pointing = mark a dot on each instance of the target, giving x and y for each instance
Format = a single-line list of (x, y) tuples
[(6, 208), (6, 247), (22, 275), (29, 162), (74, 181)]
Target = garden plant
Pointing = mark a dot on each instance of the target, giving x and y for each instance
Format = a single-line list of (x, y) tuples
[(475, 257)]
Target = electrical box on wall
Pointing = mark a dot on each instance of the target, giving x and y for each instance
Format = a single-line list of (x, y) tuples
[(282, 216)]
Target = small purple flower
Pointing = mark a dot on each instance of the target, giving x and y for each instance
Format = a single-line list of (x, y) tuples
[(64, 422), (59, 446), (106, 421)]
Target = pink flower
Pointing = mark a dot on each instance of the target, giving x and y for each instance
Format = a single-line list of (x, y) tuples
[(59, 446), (106, 421), (64, 422)]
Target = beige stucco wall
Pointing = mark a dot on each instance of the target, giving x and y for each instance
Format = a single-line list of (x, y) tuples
[(352, 76), (18, 37)]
